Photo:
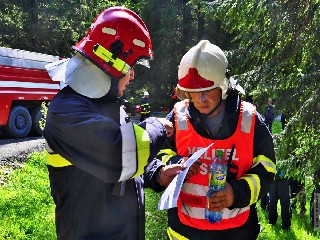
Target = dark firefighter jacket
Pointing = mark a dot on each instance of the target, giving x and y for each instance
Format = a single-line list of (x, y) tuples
[(262, 148), (96, 166)]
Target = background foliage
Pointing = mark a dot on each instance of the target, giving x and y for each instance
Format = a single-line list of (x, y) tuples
[(272, 46)]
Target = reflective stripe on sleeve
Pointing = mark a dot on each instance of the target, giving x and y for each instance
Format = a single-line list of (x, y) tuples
[(143, 147), (174, 235), (55, 160), (268, 164), (254, 184), (165, 158), (129, 154), (166, 154), (135, 150)]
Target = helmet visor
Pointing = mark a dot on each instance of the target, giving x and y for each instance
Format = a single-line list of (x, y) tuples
[(197, 96)]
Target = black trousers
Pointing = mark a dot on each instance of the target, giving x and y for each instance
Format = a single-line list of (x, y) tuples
[(280, 191), (264, 202), (268, 122)]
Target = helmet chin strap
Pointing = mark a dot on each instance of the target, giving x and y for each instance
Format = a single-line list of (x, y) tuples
[(214, 109)]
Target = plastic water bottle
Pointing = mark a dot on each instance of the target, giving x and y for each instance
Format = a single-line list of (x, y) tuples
[(217, 182)]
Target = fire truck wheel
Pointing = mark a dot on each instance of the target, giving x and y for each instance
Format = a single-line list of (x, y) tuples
[(19, 123), (36, 116)]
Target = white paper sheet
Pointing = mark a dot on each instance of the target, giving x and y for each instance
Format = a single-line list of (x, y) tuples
[(170, 196)]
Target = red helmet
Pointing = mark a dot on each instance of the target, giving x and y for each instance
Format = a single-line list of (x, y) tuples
[(117, 39)]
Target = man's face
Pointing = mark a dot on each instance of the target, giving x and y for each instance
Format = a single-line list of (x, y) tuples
[(206, 101), (124, 82)]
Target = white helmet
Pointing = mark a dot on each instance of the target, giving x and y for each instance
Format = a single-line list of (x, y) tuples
[(146, 93), (203, 68)]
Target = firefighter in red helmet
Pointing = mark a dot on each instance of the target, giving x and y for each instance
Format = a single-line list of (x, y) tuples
[(210, 111), (98, 159)]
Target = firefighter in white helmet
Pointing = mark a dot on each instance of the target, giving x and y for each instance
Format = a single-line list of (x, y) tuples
[(97, 157), (145, 106), (211, 111)]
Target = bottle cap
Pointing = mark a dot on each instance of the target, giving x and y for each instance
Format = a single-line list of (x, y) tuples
[(219, 153)]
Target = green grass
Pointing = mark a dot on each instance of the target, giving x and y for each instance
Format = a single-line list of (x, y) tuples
[(156, 220), (276, 127), (27, 209)]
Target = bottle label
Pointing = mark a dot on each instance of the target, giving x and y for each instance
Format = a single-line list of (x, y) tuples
[(217, 179)]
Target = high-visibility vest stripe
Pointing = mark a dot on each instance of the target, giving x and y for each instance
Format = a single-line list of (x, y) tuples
[(199, 213), (191, 188), (237, 217)]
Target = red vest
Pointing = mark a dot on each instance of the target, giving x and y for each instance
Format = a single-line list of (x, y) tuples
[(192, 199)]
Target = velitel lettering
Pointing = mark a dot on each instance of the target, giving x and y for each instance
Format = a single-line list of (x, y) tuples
[(211, 153)]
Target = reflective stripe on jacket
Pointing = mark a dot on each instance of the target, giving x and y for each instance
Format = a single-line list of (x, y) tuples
[(145, 108), (135, 150), (192, 199)]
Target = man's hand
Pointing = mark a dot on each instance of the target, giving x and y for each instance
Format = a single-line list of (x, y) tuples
[(221, 199), (168, 172), (168, 125), (193, 168)]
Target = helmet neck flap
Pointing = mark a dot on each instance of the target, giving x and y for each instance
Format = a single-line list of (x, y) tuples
[(83, 77)]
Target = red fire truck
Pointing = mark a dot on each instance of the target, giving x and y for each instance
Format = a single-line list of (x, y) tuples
[(24, 86)]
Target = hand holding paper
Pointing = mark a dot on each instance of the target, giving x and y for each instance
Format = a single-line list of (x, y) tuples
[(170, 196)]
